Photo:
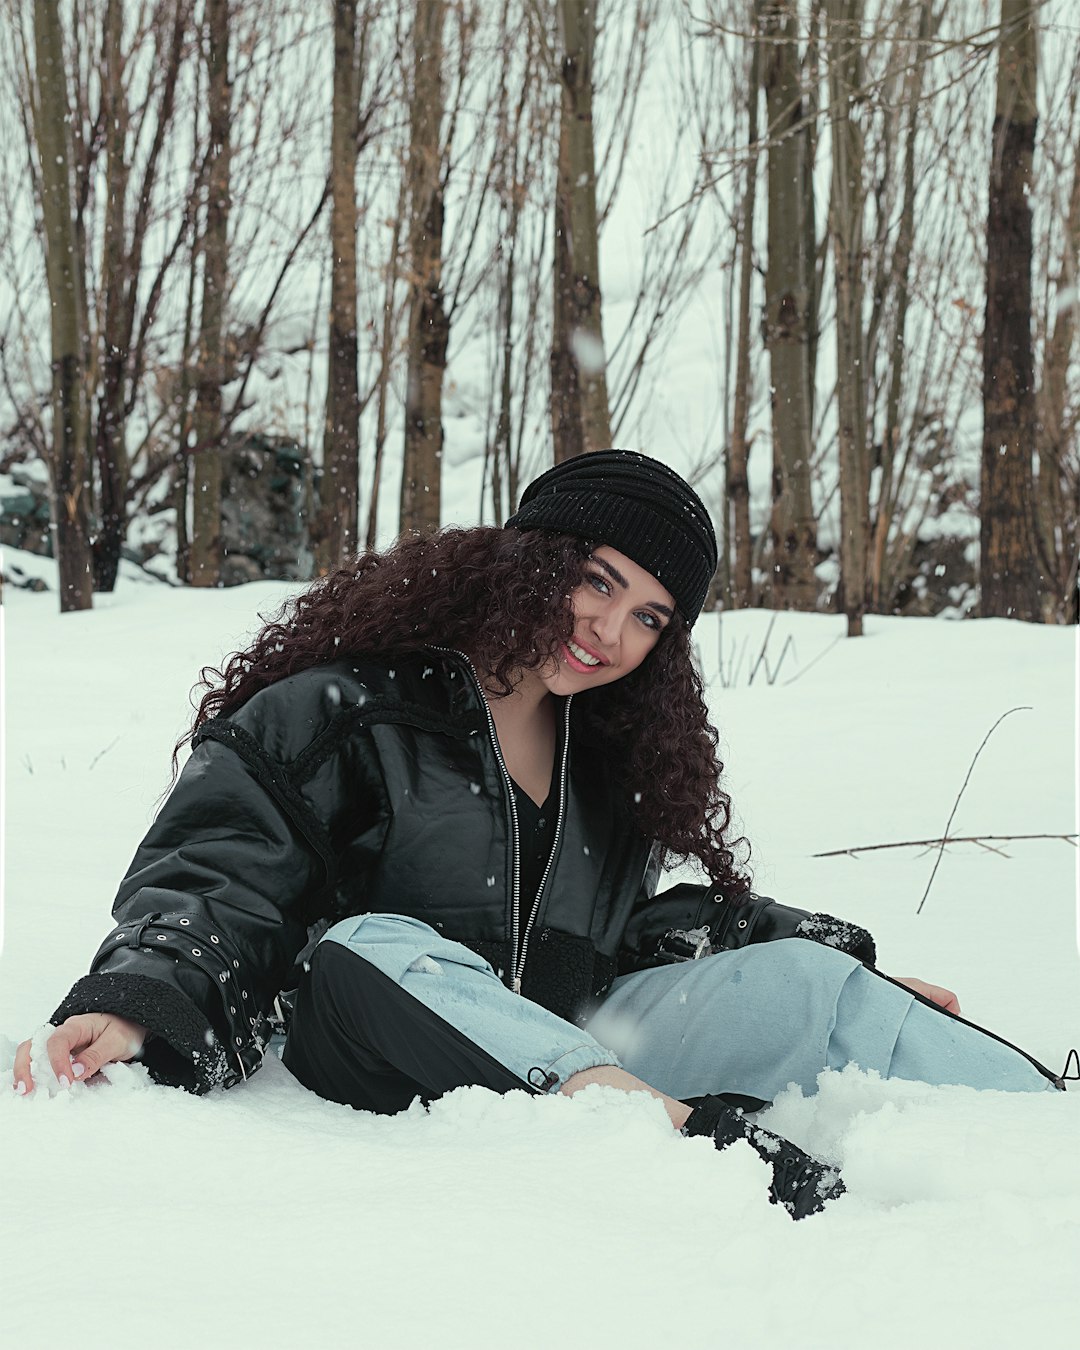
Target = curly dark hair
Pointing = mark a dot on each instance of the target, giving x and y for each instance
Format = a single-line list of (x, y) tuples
[(503, 596)]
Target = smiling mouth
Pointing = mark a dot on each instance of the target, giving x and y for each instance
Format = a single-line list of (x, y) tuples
[(582, 658)]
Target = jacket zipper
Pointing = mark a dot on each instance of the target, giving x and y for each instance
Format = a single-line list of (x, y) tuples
[(516, 965), (554, 845)]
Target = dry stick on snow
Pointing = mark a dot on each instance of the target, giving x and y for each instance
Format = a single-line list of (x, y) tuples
[(100, 753), (963, 786), (948, 839)]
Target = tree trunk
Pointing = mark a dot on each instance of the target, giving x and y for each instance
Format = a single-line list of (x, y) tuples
[(787, 308), (184, 412), (511, 199), (208, 422), (580, 418), (502, 451), (738, 482), (382, 385), (1008, 572), (339, 490), (811, 83), (1057, 511), (846, 226), (110, 448), (880, 580), (429, 323), (70, 469)]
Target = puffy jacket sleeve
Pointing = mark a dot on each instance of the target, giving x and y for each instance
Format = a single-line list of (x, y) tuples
[(690, 921), (212, 913), (682, 909)]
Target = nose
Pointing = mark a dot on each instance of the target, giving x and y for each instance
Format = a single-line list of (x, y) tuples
[(606, 626)]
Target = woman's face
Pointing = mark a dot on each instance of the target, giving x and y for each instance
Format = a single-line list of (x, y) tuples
[(620, 610)]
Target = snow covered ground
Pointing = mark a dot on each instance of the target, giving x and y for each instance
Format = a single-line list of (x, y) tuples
[(135, 1215)]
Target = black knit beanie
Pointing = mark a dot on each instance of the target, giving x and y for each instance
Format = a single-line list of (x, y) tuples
[(638, 506)]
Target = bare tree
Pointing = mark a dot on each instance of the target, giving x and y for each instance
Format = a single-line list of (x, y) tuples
[(208, 423), (787, 326), (1008, 571), (340, 485), (1057, 488), (511, 158), (738, 543), (122, 80), (909, 98), (125, 324), (846, 204), (579, 399), (69, 467), (387, 329), (515, 311), (896, 274), (429, 327)]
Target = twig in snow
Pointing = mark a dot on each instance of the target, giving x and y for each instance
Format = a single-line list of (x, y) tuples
[(100, 753), (839, 638), (730, 678), (963, 785), (761, 654), (950, 839), (990, 849)]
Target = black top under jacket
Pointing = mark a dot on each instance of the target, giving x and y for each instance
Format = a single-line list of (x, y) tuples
[(369, 786)]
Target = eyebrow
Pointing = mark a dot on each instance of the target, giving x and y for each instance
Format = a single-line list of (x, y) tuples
[(616, 575)]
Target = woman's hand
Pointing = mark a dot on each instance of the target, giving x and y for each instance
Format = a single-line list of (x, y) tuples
[(944, 998), (79, 1047)]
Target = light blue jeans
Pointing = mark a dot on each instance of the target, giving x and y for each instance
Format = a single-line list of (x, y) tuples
[(750, 1021)]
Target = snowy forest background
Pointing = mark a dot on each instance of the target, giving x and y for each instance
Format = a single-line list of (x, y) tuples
[(279, 280)]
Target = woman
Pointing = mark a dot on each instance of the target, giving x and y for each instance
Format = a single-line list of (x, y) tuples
[(432, 801)]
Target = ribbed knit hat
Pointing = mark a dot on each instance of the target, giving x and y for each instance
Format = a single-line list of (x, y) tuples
[(638, 506)]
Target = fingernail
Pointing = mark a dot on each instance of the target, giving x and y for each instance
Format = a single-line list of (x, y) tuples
[(20, 1088), (78, 1070), (64, 1080)]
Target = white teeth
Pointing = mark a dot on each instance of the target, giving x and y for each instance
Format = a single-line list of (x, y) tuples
[(583, 656)]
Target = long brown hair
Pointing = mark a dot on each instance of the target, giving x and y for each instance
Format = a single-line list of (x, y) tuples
[(503, 596)]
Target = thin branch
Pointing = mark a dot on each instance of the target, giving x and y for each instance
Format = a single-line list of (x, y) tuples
[(824, 652), (254, 335), (990, 848), (963, 786), (100, 753), (948, 839)]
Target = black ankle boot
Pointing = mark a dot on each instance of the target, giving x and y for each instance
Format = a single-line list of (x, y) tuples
[(800, 1183)]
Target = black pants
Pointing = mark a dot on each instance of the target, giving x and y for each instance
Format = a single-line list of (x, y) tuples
[(358, 1038)]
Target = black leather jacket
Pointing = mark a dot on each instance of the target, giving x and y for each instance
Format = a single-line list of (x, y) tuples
[(363, 786), (370, 786)]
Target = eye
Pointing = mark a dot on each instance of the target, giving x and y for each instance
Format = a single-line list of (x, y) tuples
[(598, 582), (650, 620)]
